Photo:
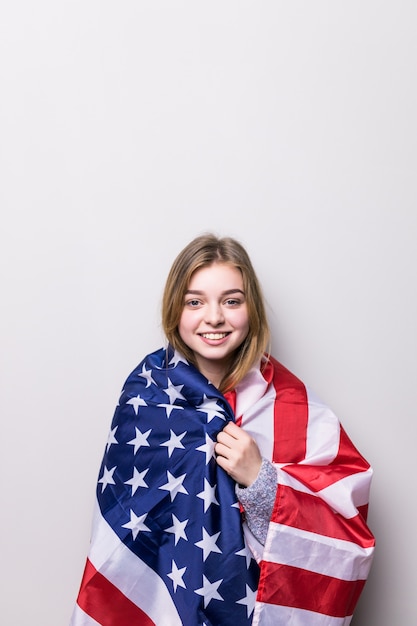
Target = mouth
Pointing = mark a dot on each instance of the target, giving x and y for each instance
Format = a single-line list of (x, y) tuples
[(214, 336)]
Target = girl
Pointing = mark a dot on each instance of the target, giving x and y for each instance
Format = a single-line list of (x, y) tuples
[(228, 493)]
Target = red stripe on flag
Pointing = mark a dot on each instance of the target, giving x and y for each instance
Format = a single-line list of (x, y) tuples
[(290, 586), (345, 454), (347, 462), (231, 398), (290, 413), (105, 603), (363, 510), (310, 513)]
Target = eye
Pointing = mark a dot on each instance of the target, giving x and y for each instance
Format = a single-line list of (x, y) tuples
[(232, 302), (193, 303)]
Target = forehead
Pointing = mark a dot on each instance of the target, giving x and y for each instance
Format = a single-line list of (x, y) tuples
[(218, 275)]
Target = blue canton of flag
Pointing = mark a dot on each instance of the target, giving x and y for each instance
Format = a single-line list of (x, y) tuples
[(167, 500)]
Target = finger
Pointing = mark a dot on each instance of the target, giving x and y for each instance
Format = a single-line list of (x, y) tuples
[(232, 429), (225, 439), (221, 450), (223, 463)]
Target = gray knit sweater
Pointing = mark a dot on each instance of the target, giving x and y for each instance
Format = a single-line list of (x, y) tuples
[(258, 500)]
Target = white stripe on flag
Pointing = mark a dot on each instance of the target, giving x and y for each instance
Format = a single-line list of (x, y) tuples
[(259, 422), (290, 481), (273, 615), (322, 432), (339, 495), (317, 553)]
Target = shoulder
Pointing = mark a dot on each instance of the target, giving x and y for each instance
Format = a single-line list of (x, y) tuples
[(275, 373), (143, 375)]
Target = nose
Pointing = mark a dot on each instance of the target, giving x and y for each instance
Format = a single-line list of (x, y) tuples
[(214, 315)]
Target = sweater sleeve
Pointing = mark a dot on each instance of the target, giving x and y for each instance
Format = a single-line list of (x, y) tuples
[(258, 500)]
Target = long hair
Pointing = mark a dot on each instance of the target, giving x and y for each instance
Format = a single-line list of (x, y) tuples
[(201, 252)]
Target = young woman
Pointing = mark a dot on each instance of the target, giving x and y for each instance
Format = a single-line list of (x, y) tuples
[(228, 493)]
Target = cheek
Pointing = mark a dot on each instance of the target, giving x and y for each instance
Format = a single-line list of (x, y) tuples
[(242, 322), (184, 323), (244, 317)]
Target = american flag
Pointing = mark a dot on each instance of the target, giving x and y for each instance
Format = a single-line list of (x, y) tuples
[(167, 545)]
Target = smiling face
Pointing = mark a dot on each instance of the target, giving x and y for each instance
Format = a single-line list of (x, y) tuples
[(214, 321)]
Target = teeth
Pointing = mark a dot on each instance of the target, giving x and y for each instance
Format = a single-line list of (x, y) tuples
[(214, 335)]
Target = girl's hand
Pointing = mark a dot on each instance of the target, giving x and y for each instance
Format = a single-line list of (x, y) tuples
[(238, 454)]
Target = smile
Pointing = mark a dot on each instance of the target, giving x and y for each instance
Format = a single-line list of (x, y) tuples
[(214, 335)]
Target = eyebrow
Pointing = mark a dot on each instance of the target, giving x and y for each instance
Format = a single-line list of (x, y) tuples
[(228, 292)]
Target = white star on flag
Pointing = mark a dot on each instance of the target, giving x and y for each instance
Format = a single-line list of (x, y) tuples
[(176, 576), (137, 479), (174, 485), (111, 438), (169, 408), (136, 524), (141, 439), (174, 392), (246, 553), (209, 591), (174, 442), (207, 495), (136, 403), (207, 448), (107, 478), (178, 528), (211, 408), (177, 358), (248, 600), (208, 544), (147, 374)]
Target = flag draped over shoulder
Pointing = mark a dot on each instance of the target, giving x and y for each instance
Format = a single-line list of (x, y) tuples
[(168, 546), (319, 549)]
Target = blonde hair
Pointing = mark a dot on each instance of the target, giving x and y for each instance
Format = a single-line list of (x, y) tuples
[(201, 252)]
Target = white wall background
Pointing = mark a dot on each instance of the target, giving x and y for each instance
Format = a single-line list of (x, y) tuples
[(129, 127)]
